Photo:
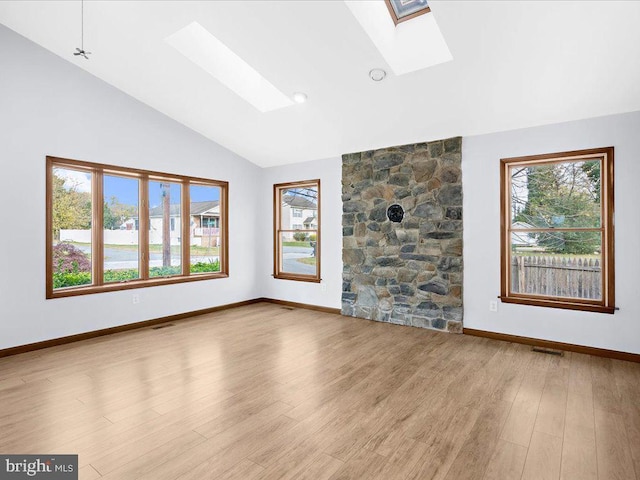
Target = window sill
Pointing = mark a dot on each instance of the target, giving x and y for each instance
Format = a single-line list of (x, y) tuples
[(542, 302), (132, 284), (298, 278)]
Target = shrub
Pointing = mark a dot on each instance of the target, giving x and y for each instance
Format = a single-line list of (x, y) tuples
[(312, 237), (72, 279), (164, 271), (300, 236), (67, 258), (120, 275), (204, 267)]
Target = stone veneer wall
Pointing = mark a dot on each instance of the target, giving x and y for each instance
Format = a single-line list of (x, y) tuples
[(409, 273)]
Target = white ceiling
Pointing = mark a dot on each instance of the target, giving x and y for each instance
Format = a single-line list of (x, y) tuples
[(515, 64)]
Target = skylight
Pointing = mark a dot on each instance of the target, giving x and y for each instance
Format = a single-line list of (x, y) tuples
[(407, 47), (403, 10), (213, 56)]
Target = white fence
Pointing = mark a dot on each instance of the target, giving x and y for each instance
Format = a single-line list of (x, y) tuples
[(119, 237)]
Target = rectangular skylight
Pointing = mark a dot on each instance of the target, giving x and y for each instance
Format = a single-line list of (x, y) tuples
[(406, 47), (213, 56)]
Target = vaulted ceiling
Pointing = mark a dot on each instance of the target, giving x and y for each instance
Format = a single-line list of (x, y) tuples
[(515, 64)]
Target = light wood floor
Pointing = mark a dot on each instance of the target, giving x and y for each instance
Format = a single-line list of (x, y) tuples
[(267, 392)]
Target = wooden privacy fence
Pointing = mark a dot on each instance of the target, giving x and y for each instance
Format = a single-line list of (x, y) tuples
[(554, 276)]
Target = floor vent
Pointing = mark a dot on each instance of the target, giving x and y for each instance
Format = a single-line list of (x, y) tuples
[(548, 351), (162, 326), (288, 308)]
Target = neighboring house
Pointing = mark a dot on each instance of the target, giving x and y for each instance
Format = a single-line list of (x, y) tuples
[(523, 240), (204, 223), (310, 223), (299, 213)]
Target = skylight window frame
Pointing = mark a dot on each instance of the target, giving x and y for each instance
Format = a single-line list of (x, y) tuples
[(397, 20)]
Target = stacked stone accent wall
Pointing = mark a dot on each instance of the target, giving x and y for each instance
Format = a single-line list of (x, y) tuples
[(409, 273)]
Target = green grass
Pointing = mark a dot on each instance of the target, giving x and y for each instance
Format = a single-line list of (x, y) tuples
[(295, 244), (307, 260)]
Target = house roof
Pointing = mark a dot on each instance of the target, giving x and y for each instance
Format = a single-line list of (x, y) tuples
[(521, 225), (298, 201), (309, 220), (197, 208)]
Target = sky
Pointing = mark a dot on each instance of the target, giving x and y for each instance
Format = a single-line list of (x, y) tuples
[(126, 189)]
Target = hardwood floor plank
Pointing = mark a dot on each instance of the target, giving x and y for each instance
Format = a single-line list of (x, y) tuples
[(236, 446), (520, 423), (10, 382), (365, 464), (306, 437), (614, 453), (579, 454), (244, 470), (125, 454), (605, 391), (141, 462), (628, 383), (322, 467), (553, 403), (507, 462), (579, 457), (509, 384), (88, 473), (471, 463), (543, 458), (408, 454)]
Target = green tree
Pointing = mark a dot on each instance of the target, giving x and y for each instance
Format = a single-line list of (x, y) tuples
[(71, 208), (563, 195), (116, 213)]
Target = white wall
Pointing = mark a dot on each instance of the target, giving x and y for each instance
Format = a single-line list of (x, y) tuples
[(327, 293), (50, 107), (480, 176)]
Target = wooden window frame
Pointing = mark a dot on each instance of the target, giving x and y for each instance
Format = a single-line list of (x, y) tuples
[(607, 303), (397, 20), (277, 232), (97, 246)]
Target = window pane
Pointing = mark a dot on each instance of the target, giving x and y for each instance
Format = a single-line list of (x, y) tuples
[(165, 254), (299, 208), (121, 238), (71, 223), (559, 195), (298, 253), (204, 227), (563, 264)]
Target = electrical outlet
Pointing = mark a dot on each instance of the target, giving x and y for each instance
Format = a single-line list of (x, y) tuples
[(135, 298), (323, 287), (493, 306)]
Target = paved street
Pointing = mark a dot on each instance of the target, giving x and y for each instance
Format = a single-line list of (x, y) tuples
[(290, 264), (117, 259)]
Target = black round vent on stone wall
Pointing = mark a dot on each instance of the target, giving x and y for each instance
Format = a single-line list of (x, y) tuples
[(395, 213)]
